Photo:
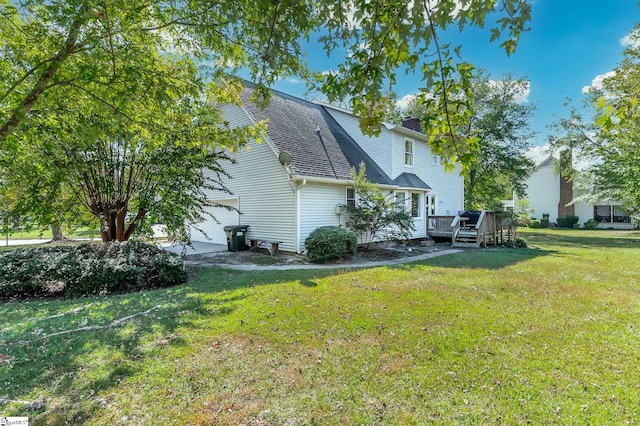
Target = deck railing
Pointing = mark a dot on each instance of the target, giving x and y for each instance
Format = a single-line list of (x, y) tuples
[(439, 226)]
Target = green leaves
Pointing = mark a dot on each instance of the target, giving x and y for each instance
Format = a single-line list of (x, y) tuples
[(488, 128), (610, 140), (78, 74)]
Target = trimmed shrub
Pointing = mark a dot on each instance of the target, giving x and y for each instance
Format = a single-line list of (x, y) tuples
[(534, 223), (520, 243), (87, 269), (590, 224), (544, 223), (567, 221), (330, 242)]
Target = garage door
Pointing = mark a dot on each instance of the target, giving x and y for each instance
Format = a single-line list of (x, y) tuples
[(215, 230)]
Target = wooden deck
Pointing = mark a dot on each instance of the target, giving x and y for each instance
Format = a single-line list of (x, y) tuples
[(440, 226), (490, 229)]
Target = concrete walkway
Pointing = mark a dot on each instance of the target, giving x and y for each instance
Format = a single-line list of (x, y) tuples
[(4, 242), (198, 248), (253, 267)]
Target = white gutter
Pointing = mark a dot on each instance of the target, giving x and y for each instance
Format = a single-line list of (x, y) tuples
[(298, 178)]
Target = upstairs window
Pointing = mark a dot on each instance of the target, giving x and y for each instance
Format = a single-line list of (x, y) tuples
[(408, 152)]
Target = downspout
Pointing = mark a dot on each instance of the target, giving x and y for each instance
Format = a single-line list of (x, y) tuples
[(299, 185)]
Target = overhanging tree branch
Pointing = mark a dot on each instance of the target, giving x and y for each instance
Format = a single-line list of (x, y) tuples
[(46, 77)]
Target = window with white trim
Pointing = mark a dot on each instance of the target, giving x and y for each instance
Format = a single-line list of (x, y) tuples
[(415, 204), (401, 200), (408, 152), (610, 214), (351, 196)]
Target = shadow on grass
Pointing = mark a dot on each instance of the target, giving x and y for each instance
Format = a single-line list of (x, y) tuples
[(582, 239), (490, 258), (85, 362)]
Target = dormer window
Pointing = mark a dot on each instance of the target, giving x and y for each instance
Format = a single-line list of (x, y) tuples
[(408, 152)]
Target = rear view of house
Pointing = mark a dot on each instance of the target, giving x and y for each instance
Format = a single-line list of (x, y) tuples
[(298, 178)]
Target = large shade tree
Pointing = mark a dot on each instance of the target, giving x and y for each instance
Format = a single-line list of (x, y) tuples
[(92, 78), (498, 123), (609, 143)]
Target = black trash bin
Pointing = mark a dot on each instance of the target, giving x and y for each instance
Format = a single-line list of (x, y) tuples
[(235, 237)]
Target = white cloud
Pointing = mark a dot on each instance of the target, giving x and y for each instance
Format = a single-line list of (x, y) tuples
[(538, 153), (403, 102), (294, 81), (596, 83), (631, 40)]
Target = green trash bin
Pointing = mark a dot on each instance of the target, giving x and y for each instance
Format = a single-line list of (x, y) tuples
[(235, 237)]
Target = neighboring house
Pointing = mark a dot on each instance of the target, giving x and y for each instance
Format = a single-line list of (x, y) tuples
[(298, 178), (550, 193)]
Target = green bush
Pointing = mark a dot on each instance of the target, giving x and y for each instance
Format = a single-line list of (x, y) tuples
[(544, 223), (534, 223), (590, 224), (330, 242), (87, 269), (520, 243), (517, 243), (376, 216), (567, 221)]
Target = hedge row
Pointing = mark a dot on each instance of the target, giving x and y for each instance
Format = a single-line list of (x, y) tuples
[(87, 269)]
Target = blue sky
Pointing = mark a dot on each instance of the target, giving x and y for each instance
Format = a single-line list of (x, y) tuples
[(570, 43)]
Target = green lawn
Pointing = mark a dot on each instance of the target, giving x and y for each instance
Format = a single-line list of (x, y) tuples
[(23, 234), (544, 335)]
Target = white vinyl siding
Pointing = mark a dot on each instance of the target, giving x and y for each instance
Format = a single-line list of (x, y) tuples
[(377, 147), (210, 230), (448, 186), (543, 192), (267, 198), (318, 207), (408, 152), (388, 150)]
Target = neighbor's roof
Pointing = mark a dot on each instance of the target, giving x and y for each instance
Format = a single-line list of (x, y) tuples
[(318, 145)]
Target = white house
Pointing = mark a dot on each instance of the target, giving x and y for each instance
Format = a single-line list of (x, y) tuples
[(298, 178), (549, 193)]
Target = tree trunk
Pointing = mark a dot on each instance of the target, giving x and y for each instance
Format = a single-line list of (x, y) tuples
[(47, 78), (56, 232)]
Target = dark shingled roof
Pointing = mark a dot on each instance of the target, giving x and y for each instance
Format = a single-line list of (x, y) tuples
[(328, 153), (409, 180)]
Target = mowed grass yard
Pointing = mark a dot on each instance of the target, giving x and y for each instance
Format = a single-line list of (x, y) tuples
[(544, 335)]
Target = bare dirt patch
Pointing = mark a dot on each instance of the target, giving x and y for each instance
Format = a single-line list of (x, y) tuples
[(262, 257)]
